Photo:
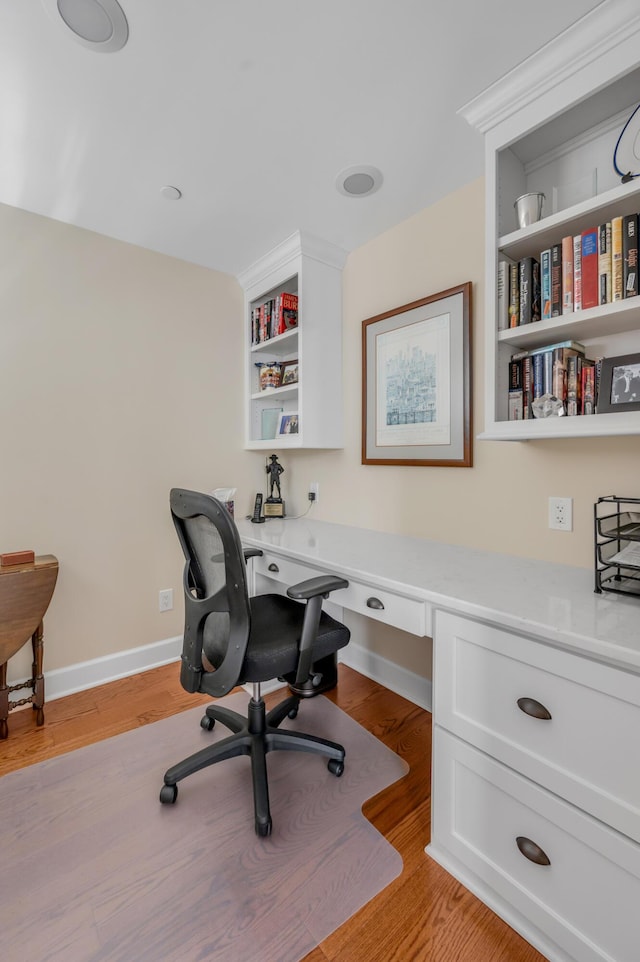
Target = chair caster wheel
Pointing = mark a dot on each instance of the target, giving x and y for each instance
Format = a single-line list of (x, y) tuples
[(293, 713), (335, 767), (207, 723), (263, 828), (168, 794)]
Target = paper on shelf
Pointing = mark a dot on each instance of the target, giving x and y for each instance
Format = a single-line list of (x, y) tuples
[(628, 556)]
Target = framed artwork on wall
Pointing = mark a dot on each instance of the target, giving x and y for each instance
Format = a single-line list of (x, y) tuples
[(416, 382)]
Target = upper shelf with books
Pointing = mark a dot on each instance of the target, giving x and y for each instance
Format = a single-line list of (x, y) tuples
[(529, 241), (618, 317)]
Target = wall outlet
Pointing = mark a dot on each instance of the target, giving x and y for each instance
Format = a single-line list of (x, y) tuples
[(561, 514), (314, 489), (165, 601)]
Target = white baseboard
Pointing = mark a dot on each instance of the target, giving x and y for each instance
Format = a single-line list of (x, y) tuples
[(398, 679), (87, 674), (98, 671)]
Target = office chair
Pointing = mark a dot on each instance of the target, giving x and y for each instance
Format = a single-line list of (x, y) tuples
[(231, 639)]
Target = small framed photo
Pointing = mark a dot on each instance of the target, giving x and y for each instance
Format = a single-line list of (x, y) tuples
[(288, 373), (619, 384), (289, 424)]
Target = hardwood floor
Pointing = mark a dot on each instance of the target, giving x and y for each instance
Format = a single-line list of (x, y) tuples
[(423, 916)]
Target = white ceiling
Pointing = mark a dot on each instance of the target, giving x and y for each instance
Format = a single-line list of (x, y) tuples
[(252, 108)]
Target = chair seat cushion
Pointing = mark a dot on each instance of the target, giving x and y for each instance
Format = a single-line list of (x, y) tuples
[(276, 627)]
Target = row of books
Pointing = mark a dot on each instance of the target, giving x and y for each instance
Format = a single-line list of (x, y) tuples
[(560, 370), (275, 316), (595, 267)]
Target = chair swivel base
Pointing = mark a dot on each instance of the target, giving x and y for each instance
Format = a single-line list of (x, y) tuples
[(256, 736)]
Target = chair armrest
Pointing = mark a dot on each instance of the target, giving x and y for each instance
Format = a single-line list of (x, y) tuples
[(311, 591), (252, 553), (316, 586)]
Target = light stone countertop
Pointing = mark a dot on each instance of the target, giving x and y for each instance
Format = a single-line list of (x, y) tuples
[(555, 603)]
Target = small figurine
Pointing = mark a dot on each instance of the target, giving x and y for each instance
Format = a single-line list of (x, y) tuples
[(274, 470)]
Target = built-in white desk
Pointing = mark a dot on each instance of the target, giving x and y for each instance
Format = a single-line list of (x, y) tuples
[(536, 772)]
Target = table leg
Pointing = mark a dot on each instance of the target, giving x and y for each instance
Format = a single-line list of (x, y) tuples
[(4, 701), (38, 677)]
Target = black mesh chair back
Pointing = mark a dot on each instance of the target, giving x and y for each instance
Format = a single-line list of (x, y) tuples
[(231, 639)]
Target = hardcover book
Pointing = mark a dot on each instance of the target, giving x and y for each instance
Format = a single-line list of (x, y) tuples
[(574, 385), (288, 312), (529, 270), (538, 374), (630, 254), (504, 298), (567, 275), (561, 357), (515, 407), (588, 391), (514, 296), (617, 267), (545, 284), (556, 280), (604, 263), (527, 387), (577, 272), (590, 296)]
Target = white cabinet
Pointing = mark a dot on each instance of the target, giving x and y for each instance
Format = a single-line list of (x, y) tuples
[(551, 125), (536, 787), (311, 269)]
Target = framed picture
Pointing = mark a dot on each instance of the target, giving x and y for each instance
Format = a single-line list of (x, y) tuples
[(288, 373), (416, 382), (619, 384), (289, 424)]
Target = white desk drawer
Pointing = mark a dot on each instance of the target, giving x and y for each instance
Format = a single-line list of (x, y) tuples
[(587, 752), (382, 605), (385, 606), (282, 570), (586, 900)]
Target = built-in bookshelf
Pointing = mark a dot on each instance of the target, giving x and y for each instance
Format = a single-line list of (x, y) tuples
[(293, 346), (551, 126)]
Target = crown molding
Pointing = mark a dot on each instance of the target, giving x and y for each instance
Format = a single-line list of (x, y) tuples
[(604, 28), (299, 244)]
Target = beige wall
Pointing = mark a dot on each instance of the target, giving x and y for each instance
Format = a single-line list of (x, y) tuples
[(121, 376), (500, 503)]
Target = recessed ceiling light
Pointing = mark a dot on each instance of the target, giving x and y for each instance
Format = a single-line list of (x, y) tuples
[(99, 25), (171, 193), (359, 181)]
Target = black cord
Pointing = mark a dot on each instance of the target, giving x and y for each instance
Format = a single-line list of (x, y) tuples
[(626, 176)]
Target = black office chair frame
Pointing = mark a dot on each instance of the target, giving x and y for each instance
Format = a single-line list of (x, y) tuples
[(258, 733)]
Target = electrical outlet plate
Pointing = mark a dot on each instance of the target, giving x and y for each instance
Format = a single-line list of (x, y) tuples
[(561, 514), (165, 599), (314, 488)]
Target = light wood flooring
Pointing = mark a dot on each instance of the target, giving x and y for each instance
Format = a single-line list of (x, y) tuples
[(423, 916)]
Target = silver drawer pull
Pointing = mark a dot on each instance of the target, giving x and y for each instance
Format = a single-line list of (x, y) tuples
[(534, 708), (273, 567), (375, 603), (532, 851)]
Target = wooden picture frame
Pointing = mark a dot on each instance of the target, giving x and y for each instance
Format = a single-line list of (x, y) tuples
[(619, 389), (288, 373), (416, 382), (289, 424)]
